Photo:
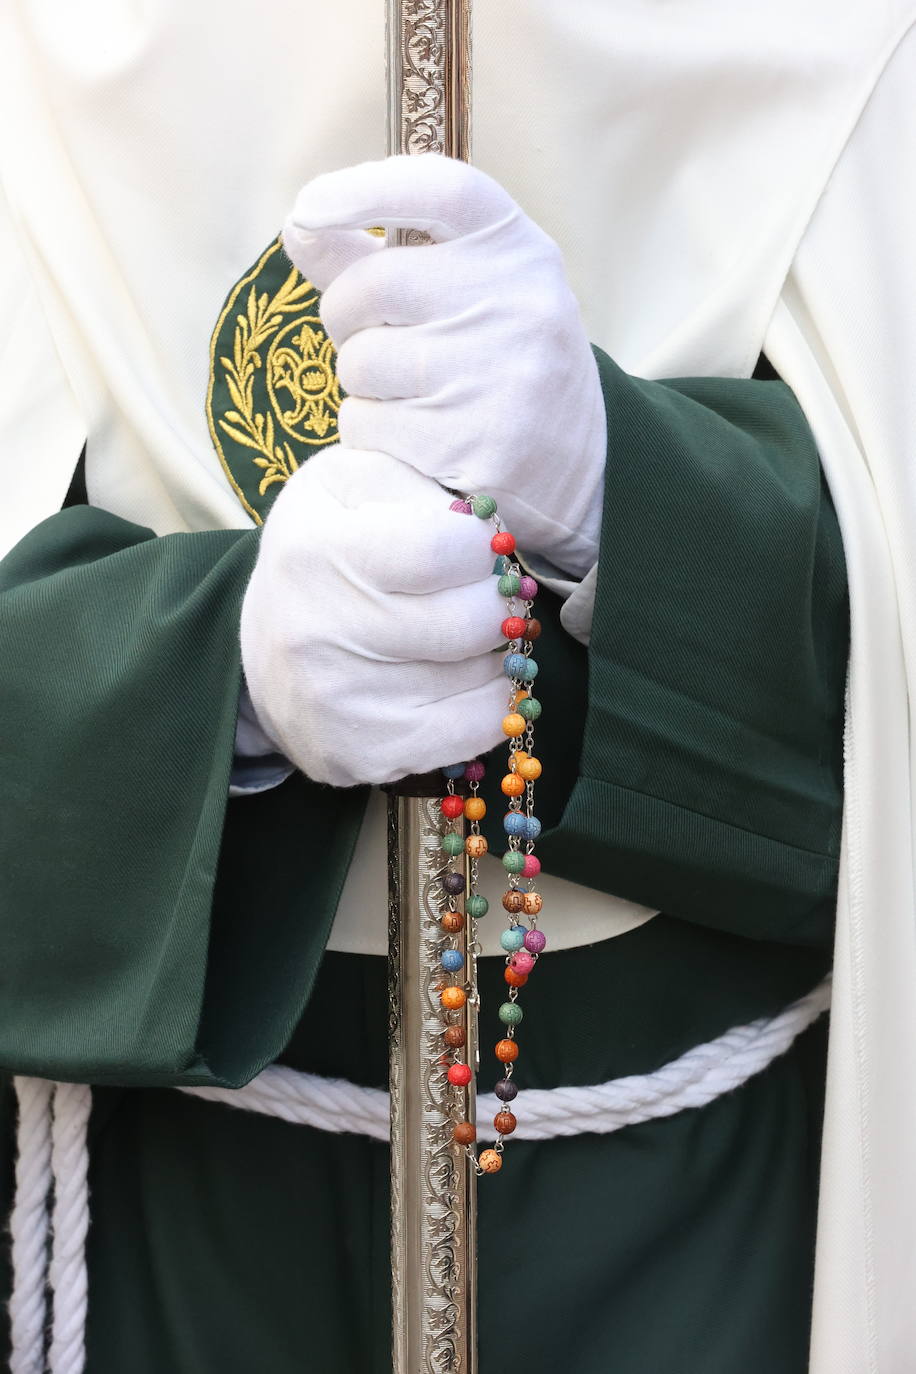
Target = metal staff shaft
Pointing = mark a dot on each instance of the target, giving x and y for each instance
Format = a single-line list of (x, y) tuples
[(433, 1184)]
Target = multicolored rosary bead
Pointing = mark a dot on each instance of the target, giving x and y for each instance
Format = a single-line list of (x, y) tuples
[(521, 943)]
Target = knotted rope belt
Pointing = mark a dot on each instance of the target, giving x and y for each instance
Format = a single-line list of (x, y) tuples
[(50, 1216)]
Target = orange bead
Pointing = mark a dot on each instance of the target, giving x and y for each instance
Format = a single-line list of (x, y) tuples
[(453, 999), (452, 921), (521, 695), (505, 1122), (506, 1051), (512, 785), (490, 1161), (513, 724), (514, 902), (532, 902), (530, 768), (515, 980), (475, 808), (476, 846), (465, 1133)]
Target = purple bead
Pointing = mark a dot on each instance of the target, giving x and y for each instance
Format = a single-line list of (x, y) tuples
[(453, 883), (475, 771), (527, 589), (535, 941), (462, 507), (506, 1090), (522, 962)]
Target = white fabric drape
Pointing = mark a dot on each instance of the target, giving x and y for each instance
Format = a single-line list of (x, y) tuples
[(719, 177)]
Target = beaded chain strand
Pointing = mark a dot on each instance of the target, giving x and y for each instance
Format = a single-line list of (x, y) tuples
[(522, 941)]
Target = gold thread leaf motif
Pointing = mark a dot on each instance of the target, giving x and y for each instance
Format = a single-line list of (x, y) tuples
[(273, 395)]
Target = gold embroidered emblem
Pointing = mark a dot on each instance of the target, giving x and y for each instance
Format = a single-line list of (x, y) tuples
[(273, 394)]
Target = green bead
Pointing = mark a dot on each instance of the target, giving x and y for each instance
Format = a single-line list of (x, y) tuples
[(509, 584), (529, 707), (510, 1013), (483, 506), (513, 861), (477, 906), (453, 844)]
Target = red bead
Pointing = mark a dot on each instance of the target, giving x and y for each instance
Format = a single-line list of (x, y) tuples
[(503, 543), (452, 807), (513, 627), (460, 1075)]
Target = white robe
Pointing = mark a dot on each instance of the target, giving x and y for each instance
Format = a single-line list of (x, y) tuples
[(721, 179)]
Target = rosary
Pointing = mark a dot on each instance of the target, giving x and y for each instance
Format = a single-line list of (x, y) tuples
[(522, 941)]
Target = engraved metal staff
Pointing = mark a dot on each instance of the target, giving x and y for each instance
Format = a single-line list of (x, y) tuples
[(433, 1185)]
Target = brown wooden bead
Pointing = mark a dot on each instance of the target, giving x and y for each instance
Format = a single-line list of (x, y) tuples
[(532, 629), (532, 902), (452, 921), (476, 846), (465, 1133), (491, 1161), (505, 1122), (514, 901), (454, 1037)]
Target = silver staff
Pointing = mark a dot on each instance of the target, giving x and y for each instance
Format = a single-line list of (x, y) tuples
[(433, 1192)]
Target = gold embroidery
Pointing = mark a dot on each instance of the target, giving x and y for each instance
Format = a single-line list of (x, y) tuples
[(273, 390)]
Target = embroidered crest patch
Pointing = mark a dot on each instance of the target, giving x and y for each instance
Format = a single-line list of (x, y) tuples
[(273, 394)]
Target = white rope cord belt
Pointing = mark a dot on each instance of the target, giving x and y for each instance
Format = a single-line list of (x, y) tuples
[(48, 1237)]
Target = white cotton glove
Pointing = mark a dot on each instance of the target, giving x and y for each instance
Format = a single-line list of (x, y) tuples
[(371, 624), (467, 357)]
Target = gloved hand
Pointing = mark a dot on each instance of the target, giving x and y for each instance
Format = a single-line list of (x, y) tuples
[(370, 623), (467, 357)]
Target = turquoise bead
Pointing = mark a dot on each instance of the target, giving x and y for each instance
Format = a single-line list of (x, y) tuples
[(529, 672), (508, 584), (477, 906), (510, 1013), (512, 939), (530, 708), (513, 861), (483, 506), (502, 565), (532, 828), (453, 844)]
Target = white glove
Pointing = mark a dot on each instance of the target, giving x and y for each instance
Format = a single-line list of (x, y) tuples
[(467, 357), (371, 624)]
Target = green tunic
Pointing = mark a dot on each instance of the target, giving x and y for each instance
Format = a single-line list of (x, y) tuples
[(154, 935)]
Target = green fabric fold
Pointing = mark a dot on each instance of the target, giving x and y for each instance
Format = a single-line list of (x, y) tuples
[(710, 775), (122, 957)]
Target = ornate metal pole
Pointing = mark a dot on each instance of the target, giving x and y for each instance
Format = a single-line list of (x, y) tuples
[(433, 1185)]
